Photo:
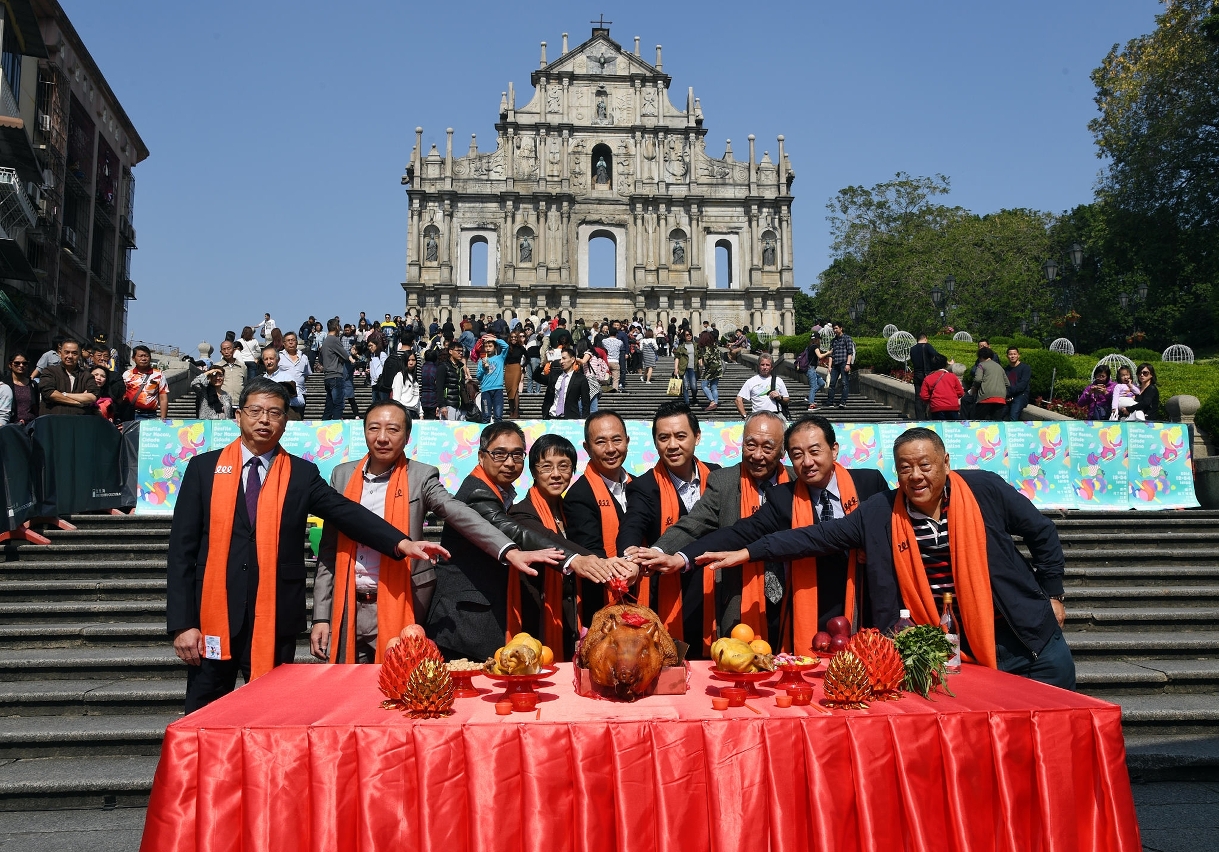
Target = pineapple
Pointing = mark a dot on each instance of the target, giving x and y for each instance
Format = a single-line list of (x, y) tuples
[(846, 682), (884, 664), (400, 662), (429, 691)]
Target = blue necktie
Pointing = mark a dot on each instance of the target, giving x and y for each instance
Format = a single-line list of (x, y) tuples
[(252, 486)]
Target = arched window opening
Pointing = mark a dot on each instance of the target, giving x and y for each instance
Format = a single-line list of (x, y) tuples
[(478, 262), (723, 265), (602, 260)]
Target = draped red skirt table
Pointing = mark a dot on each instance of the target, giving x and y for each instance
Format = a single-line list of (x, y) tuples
[(305, 759)]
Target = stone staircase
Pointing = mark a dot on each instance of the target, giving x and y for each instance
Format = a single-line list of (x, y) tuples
[(88, 681), (639, 402)]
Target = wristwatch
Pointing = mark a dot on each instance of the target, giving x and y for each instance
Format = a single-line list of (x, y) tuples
[(1059, 598)]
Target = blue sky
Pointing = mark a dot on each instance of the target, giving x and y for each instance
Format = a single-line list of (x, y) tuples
[(279, 131)]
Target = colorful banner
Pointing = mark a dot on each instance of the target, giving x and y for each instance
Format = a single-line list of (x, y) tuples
[(1056, 464)]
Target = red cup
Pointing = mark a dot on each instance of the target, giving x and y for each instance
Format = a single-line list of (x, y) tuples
[(801, 696), (783, 701), (719, 703), (503, 708), (735, 695), (523, 701)]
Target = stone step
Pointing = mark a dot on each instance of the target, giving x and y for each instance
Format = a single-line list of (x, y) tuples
[(76, 782), (50, 612), (105, 522), (111, 696), (68, 569), (82, 736), (1139, 596), (33, 636), (79, 663), (1134, 645), (149, 588), (1102, 542), (1152, 618), (1151, 574), (117, 550), (1103, 678)]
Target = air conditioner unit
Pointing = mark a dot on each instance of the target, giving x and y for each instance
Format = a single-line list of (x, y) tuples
[(44, 122), (44, 207), (69, 237)]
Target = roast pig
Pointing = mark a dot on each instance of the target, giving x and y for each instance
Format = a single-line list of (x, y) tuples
[(624, 650)]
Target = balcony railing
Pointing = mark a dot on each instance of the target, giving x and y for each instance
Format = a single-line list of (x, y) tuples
[(16, 211)]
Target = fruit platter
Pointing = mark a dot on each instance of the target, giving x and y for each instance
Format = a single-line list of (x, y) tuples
[(519, 664), (792, 668), (742, 658)]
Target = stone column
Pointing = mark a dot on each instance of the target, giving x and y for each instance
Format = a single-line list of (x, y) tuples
[(565, 236), (510, 159)]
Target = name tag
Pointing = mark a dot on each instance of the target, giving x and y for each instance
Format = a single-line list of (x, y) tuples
[(224, 468), (211, 647)]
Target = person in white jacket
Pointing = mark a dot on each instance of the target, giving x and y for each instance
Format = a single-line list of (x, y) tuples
[(406, 388), (265, 328)]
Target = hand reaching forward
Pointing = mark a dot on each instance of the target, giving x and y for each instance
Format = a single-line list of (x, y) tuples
[(411, 549), (524, 560), (592, 568), (654, 560), (718, 559), (624, 568)]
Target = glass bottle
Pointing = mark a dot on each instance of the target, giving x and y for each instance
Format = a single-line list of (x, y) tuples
[(903, 621), (948, 621)]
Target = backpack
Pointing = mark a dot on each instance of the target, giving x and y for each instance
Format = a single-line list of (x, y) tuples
[(597, 368), (802, 361)]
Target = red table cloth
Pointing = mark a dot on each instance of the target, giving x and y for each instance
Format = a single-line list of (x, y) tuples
[(305, 759)]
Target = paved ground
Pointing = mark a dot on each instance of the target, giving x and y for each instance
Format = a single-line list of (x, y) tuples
[(1173, 817)]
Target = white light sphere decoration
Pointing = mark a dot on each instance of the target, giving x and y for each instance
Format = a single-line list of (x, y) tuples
[(963, 336), (1178, 353), (899, 345), (1114, 361), (889, 330), (1063, 346)]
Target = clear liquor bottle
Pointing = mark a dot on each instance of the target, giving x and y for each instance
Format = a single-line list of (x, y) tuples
[(903, 621), (948, 621)]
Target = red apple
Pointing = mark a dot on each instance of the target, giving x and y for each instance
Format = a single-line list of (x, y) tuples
[(413, 630), (839, 626), (821, 642), (839, 643)]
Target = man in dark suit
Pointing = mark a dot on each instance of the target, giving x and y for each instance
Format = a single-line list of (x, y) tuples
[(961, 524), (922, 362), (566, 396), (721, 505), (469, 612), (676, 432), (813, 451), (262, 417)]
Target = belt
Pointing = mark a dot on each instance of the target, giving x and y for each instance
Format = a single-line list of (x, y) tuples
[(366, 597)]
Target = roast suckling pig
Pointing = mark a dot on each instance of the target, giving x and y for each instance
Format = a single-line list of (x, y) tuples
[(625, 649)]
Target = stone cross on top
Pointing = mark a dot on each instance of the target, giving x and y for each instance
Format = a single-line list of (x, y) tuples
[(601, 26)]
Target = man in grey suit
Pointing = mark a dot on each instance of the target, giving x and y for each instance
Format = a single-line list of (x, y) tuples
[(387, 430), (720, 506)]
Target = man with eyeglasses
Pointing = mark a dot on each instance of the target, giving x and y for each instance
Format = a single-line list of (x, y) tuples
[(356, 577), (733, 493), (799, 601), (235, 592), (470, 609)]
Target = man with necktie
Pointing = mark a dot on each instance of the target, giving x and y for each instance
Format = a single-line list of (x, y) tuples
[(566, 396), (235, 593)]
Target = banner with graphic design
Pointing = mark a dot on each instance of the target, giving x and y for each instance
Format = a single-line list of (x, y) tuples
[(1056, 464)]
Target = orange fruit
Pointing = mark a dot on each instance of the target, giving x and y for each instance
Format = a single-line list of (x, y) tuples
[(547, 657), (743, 632), (760, 646)]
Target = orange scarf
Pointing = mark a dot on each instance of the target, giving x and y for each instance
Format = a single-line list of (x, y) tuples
[(609, 511), (804, 571), (970, 569), (668, 595), (552, 588), (514, 576), (395, 597), (214, 607), (753, 574)]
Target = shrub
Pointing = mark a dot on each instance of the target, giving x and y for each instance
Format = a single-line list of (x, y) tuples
[(1101, 353), (1140, 355), (1069, 389), (1043, 363), (1024, 342), (875, 356), (999, 344), (1207, 417)]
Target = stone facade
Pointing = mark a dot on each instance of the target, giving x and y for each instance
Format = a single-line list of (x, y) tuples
[(600, 151)]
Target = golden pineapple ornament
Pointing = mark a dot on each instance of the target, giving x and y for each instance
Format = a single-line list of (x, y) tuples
[(400, 662), (429, 691), (846, 682), (880, 657)]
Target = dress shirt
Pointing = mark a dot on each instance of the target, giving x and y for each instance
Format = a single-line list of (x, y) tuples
[(247, 454), (835, 500), (617, 489), (688, 492), (368, 560), (560, 395)]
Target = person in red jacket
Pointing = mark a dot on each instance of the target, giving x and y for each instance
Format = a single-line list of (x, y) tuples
[(942, 391)]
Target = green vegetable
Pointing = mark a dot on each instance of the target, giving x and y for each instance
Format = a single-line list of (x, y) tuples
[(924, 649)]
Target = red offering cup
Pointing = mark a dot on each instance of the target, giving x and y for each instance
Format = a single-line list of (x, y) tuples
[(522, 702), (736, 695), (783, 701), (793, 675), (801, 696), (503, 708), (719, 703), (463, 686), (744, 680)]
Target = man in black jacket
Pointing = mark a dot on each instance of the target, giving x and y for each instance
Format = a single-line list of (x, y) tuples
[(450, 378), (469, 610), (1019, 375), (922, 363), (812, 449), (1026, 598), (262, 417), (566, 396)]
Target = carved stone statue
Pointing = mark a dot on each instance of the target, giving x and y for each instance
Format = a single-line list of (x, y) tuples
[(552, 100), (768, 252), (602, 109), (602, 171), (554, 156), (675, 159), (430, 248), (526, 247), (577, 165), (649, 102), (679, 252)]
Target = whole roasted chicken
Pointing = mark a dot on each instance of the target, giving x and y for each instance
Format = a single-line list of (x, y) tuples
[(625, 649)]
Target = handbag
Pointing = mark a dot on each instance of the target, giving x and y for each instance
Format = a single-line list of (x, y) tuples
[(674, 388), (824, 372)]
